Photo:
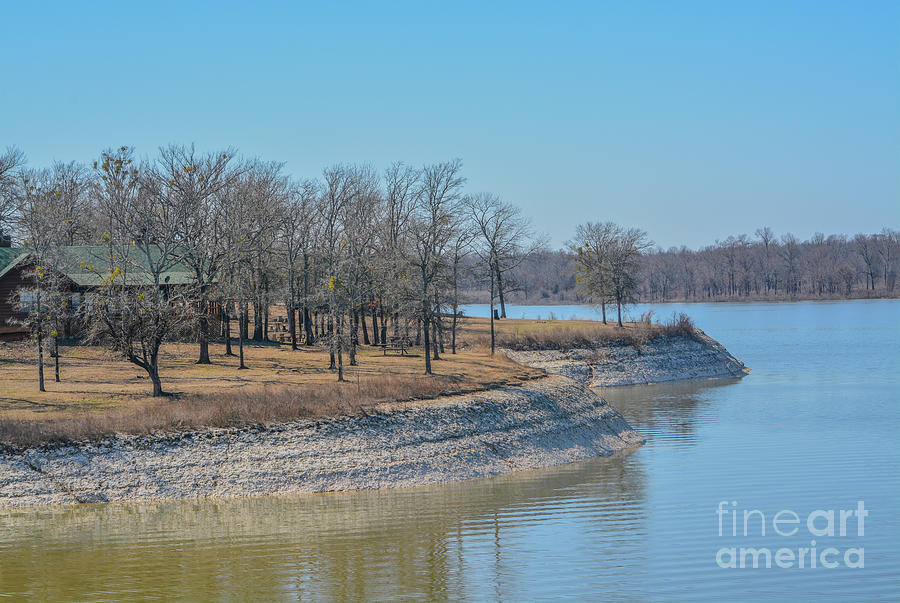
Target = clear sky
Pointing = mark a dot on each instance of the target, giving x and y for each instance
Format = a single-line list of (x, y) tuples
[(692, 120)]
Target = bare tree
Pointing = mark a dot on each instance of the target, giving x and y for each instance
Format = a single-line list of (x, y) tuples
[(296, 242), (433, 227), (593, 249), (391, 292), (137, 305), (39, 223), (507, 234), (608, 259), (340, 187), (359, 225), (194, 184), (460, 248)]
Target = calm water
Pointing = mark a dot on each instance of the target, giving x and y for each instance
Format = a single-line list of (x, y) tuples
[(814, 427)]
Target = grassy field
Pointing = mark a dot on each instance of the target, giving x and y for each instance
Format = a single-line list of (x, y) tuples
[(100, 393)]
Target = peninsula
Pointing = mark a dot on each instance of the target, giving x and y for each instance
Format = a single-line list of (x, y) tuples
[(274, 431)]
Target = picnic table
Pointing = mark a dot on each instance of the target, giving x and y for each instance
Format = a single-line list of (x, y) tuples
[(396, 344)]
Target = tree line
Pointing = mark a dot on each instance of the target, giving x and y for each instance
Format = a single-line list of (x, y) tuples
[(769, 267), (739, 268)]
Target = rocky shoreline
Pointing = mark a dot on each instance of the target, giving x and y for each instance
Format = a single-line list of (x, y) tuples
[(665, 359), (545, 422)]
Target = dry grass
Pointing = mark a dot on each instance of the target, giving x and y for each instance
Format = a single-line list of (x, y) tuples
[(264, 405), (568, 334), (101, 394)]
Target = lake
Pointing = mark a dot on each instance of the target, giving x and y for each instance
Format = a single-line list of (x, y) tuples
[(811, 432)]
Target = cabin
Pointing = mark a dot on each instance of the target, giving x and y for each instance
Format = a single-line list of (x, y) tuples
[(81, 268), (13, 276)]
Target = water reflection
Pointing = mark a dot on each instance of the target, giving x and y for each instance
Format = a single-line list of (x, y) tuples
[(667, 410), (435, 542)]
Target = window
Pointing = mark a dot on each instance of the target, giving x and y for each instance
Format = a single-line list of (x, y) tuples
[(27, 302)]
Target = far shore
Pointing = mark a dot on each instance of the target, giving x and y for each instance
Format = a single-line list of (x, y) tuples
[(610, 308)]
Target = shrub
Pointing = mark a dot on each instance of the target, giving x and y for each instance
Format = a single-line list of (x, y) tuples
[(680, 325)]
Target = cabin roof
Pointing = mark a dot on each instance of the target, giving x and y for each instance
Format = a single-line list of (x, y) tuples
[(86, 265), (10, 257)]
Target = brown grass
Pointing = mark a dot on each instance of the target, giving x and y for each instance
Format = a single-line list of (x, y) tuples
[(100, 394), (263, 405), (563, 335)]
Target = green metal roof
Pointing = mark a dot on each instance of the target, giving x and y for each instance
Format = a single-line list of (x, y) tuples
[(10, 257), (87, 265)]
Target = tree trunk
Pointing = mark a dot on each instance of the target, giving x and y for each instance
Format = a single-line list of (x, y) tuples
[(454, 305), (435, 344), (438, 329), (226, 318), (242, 328), (56, 353), (375, 338), (362, 323), (427, 342), (292, 325), (153, 371), (453, 329), (307, 326), (383, 322), (292, 314), (331, 341), (257, 321), (204, 326), (339, 345), (619, 309), (40, 345), (354, 335), (603, 309), (493, 336), (500, 291)]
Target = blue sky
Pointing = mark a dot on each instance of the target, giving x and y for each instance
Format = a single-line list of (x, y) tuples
[(692, 120)]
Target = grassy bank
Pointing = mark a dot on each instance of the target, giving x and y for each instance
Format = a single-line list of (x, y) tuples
[(101, 394)]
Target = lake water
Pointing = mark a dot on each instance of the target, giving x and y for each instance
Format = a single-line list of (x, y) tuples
[(814, 427)]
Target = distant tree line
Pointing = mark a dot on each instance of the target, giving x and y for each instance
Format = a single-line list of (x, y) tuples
[(738, 268), (769, 267)]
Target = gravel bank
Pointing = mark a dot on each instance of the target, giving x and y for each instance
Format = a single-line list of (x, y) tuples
[(661, 360), (546, 422)]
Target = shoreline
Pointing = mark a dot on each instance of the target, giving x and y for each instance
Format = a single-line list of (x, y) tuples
[(546, 422), (662, 360)]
